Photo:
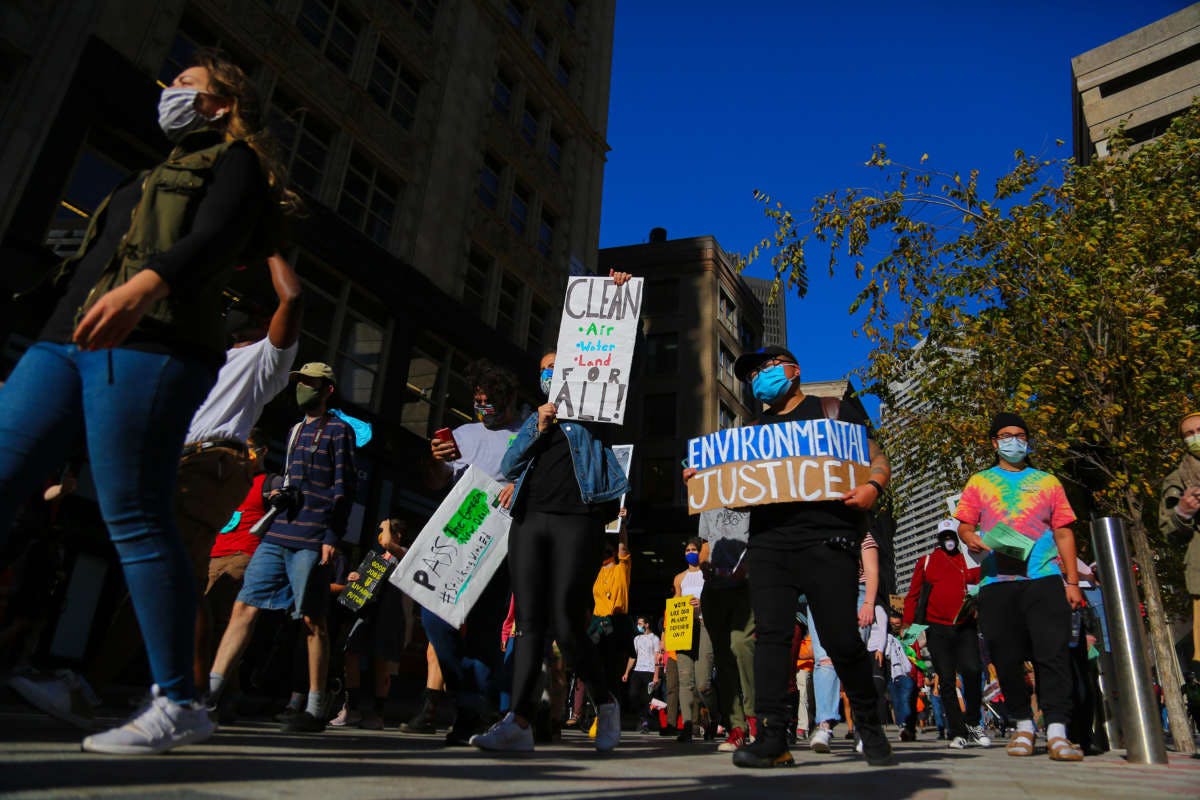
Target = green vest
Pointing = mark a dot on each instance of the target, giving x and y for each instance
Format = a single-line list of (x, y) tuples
[(170, 194)]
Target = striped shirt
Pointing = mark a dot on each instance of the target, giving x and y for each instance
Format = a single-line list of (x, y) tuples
[(322, 466), (868, 543)]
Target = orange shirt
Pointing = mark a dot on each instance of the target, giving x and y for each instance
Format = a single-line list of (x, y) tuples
[(610, 592)]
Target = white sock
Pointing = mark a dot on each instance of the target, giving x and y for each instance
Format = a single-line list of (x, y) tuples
[(1026, 726), (1056, 730), (314, 703)]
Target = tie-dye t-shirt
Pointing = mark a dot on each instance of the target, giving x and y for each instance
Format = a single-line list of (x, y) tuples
[(1030, 502)]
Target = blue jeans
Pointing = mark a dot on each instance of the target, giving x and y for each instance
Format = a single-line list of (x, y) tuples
[(939, 713), (901, 691), (827, 689), (134, 409)]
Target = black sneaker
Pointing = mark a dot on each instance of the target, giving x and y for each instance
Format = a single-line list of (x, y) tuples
[(765, 752), (303, 722), (876, 747), (685, 733), (667, 730), (287, 714), (466, 725), (422, 721)]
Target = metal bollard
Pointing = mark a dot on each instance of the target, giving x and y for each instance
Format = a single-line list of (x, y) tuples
[(1140, 725)]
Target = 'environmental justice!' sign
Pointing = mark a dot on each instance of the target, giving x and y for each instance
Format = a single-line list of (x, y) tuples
[(459, 549), (595, 348), (785, 462)]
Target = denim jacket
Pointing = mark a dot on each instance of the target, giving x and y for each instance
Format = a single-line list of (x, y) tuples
[(600, 477)]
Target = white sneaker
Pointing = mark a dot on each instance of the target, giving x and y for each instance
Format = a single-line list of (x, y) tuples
[(819, 741), (608, 726), (858, 745), (63, 697), (506, 736), (346, 718), (163, 725), (975, 735), (958, 743)]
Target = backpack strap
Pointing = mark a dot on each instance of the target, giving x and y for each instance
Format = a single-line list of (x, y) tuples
[(832, 406)]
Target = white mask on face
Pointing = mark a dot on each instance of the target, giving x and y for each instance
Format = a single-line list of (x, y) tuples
[(177, 114), (950, 545)]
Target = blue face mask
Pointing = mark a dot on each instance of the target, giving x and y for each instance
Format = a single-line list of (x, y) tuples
[(544, 381), (641, 628), (1013, 450), (771, 384), (692, 558)]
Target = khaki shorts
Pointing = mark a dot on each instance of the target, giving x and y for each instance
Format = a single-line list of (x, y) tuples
[(211, 485)]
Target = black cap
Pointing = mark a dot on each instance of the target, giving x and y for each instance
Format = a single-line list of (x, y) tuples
[(1006, 419), (748, 362)]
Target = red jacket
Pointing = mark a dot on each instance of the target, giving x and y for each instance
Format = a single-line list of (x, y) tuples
[(949, 576)]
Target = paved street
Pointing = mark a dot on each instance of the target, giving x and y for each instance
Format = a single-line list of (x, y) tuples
[(40, 758)]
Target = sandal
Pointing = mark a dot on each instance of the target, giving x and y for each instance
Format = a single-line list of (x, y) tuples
[(1021, 744), (1061, 749)]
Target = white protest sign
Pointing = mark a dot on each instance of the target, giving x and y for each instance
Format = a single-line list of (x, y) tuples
[(785, 462), (595, 348), (624, 454), (458, 550)]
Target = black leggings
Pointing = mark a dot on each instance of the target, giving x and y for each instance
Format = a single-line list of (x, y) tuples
[(553, 560)]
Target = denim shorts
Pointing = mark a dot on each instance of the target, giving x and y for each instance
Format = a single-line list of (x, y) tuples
[(279, 579)]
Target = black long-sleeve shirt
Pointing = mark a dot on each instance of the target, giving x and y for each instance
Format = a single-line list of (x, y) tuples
[(232, 204)]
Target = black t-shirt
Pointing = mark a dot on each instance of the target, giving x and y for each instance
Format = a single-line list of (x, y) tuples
[(786, 526), (550, 485)]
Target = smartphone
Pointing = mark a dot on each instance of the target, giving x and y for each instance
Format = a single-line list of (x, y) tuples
[(445, 435)]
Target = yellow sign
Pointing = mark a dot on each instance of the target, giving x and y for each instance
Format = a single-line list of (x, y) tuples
[(677, 624)]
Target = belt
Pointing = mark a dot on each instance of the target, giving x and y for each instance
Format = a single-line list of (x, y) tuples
[(208, 444)]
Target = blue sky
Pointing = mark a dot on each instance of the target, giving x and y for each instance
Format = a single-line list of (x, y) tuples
[(711, 100)]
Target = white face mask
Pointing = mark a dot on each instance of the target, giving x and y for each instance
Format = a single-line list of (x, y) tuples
[(950, 545), (177, 114)]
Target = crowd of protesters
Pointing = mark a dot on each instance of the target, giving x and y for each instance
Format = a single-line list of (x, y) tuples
[(791, 634)]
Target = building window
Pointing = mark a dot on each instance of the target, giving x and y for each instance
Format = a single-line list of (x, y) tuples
[(660, 481), (535, 340), (659, 414), (92, 179), (662, 353), (508, 306), (502, 91), (571, 12), (541, 43), (518, 213), (394, 87), (728, 311), (563, 71), (359, 361), (489, 180), (516, 13), (726, 418), (725, 362), (529, 123), (746, 337), (477, 282), (554, 150), (332, 28), (545, 244), (369, 199), (419, 414), (303, 142), (661, 297), (190, 37), (423, 11)]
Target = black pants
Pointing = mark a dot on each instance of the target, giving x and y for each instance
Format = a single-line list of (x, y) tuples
[(639, 694), (830, 579), (614, 649), (553, 560), (1029, 620), (955, 650)]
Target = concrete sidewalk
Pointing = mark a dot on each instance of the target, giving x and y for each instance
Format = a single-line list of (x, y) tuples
[(40, 758)]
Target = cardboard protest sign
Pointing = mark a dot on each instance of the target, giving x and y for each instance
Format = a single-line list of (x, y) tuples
[(624, 454), (786, 462), (595, 348), (372, 572), (459, 549), (677, 624)]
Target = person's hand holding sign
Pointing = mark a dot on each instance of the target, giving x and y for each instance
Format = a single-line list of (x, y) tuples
[(619, 278), (505, 496), (547, 415), (862, 497)]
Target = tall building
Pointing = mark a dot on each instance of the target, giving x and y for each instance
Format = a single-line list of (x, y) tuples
[(1144, 79), (774, 314), (920, 496), (450, 154), (698, 316)]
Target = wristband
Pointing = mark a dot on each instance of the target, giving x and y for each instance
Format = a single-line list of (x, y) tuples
[(1068, 583), (878, 486)]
